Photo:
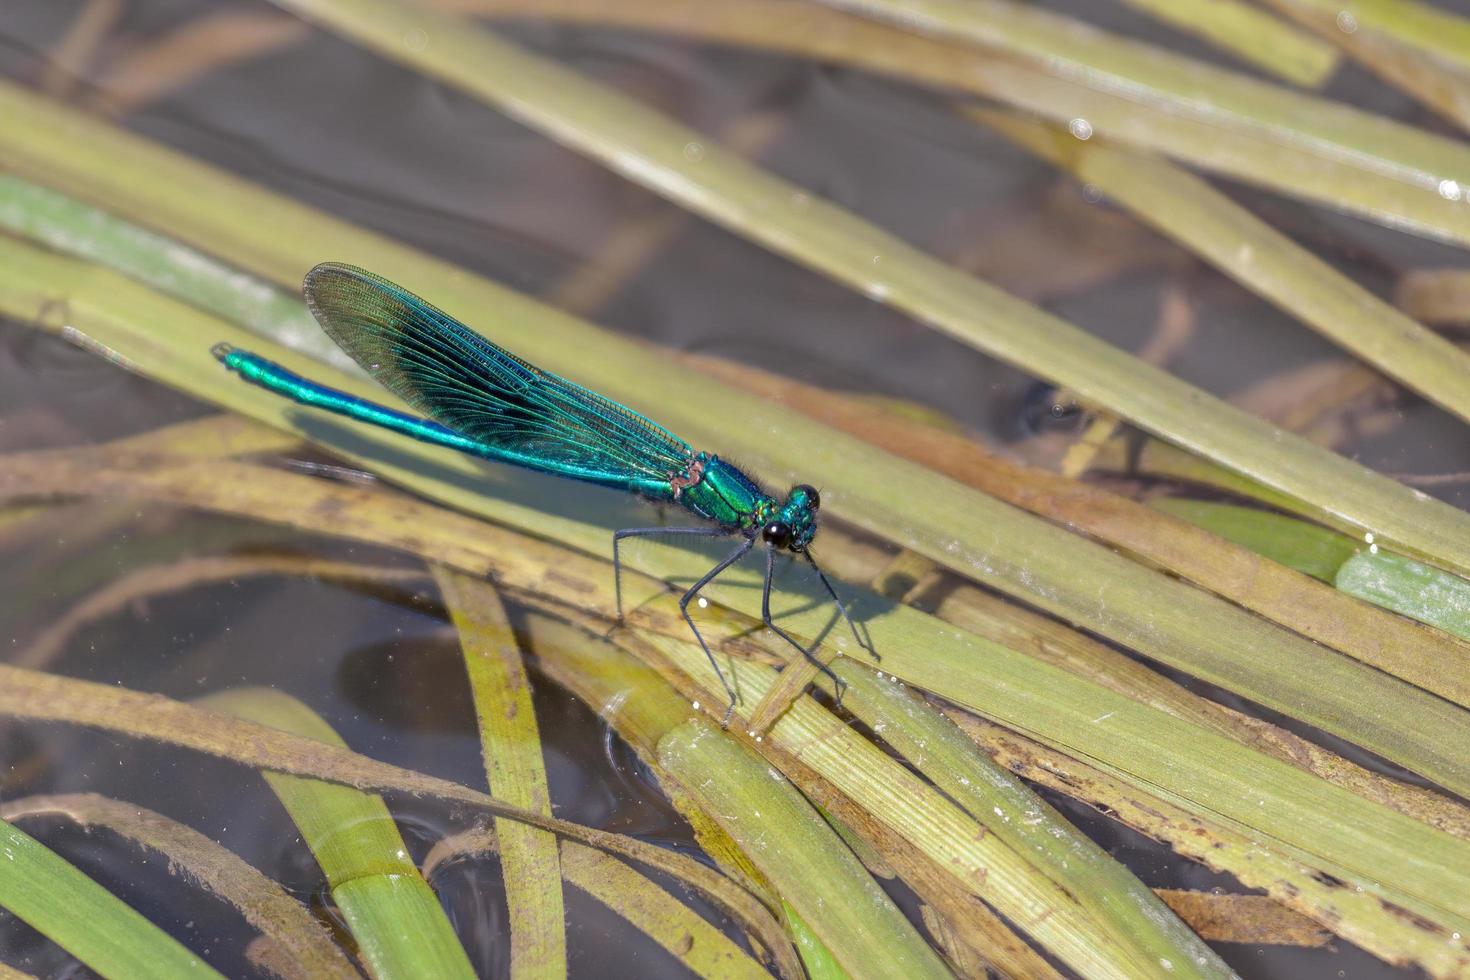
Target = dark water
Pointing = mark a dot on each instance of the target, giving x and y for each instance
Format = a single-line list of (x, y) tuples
[(325, 122)]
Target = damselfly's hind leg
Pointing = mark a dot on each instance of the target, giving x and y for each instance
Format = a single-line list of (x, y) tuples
[(837, 682), (841, 608), (643, 532), (740, 552)]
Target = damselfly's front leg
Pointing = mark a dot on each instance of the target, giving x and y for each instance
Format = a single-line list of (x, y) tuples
[(766, 616)]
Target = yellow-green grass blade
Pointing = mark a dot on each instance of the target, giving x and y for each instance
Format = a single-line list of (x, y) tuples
[(644, 710), (1210, 224), (649, 148), (1250, 34), (818, 959), (1316, 172), (682, 932), (1083, 583), (36, 212), (1442, 84), (1421, 25), (175, 339), (298, 943), (1280, 873), (510, 740), (809, 737), (399, 926), (1074, 50), (1309, 548), (822, 755), (55, 898), (1013, 812), (791, 843), (1410, 588), (699, 945), (1393, 857), (31, 694), (1403, 585)]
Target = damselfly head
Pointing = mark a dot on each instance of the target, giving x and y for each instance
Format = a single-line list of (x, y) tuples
[(795, 523)]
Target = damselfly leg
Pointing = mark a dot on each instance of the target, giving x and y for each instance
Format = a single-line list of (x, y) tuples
[(644, 532), (740, 552), (837, 683), (840, 607)]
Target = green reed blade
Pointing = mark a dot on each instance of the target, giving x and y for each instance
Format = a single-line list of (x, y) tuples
[(1409, 588), (796, 849), (1342, 177), (297, 940), (58, 221), (510, 742), (644, 709), (1430, 28), (394, 916), (1309, 548), (1251, 35), (55, 898), (1251, 252), (1073, 49)]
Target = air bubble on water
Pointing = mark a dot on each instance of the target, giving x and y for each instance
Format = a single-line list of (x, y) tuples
[(1450, 190), (694, 151), (1080, 128), (703, 603), (1368, 537), (1346, 22)]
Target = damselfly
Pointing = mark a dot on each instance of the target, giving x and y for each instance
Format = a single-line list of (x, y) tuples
[(484, 401)]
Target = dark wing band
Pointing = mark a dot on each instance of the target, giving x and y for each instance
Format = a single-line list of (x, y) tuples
[(458, 378)]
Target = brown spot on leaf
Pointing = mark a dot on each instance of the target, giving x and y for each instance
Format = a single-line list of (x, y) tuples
[(1413, 918)]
